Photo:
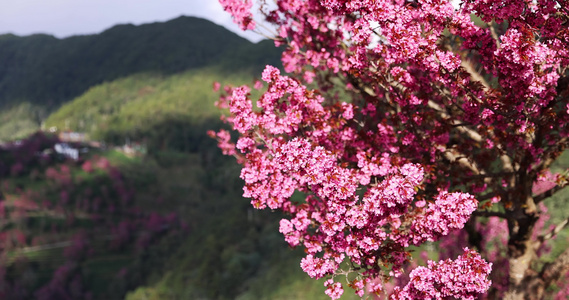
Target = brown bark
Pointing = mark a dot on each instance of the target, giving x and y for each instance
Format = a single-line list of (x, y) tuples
[(520, 248), (525, 282), (520, 260)]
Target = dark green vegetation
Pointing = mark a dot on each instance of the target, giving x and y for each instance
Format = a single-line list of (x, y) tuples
[(38, 73), (167, 224), (163, 112)]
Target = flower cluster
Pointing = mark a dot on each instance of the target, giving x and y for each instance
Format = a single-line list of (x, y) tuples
[(241, 12), (333, 289), (450, 211), (464, 278)]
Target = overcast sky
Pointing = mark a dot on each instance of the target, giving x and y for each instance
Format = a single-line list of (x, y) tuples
[(64, 18)]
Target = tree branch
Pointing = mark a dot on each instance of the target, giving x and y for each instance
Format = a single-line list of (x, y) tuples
[(553, 233), (548, 193), (467, 65), (559, 146), (469, 132), (485, 213), (494, 34), (550, 273), (492, 175), (462, 161)]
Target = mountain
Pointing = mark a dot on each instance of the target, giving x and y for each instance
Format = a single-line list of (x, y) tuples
[(163, 111), (38, 73), (44, 69), (150, 85)]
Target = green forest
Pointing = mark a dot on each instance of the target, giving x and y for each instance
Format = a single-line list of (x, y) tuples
[(39, 73), (163, 220)]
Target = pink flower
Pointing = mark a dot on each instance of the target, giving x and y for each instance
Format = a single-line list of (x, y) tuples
[(216, 86), (240, 10), (333, 289), (464, 278), (317, 267), (449, 211)]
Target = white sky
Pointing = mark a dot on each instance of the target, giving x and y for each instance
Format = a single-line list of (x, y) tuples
[(64, 18)]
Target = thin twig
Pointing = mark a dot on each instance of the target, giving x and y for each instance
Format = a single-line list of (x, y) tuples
[(485, 213), (548, 193), (494, 34), (553, 232)]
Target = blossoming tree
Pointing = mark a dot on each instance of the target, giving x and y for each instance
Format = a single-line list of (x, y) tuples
[(404, 121)]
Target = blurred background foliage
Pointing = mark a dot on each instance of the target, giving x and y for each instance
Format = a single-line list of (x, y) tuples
[(163, 221)]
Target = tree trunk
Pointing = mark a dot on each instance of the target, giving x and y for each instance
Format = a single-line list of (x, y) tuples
[(521, 252), (521, 256)]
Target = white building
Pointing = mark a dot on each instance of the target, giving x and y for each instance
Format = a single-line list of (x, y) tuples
[(66, 150)]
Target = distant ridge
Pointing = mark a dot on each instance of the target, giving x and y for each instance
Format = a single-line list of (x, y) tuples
[(42, 69)]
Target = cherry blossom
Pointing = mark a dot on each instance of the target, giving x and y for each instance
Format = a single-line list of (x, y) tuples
[(404, 123)]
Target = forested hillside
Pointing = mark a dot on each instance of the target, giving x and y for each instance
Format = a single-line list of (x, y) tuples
[(164, 223), (40, 72), (163, 112)]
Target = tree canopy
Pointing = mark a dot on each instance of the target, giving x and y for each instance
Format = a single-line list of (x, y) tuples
[(405, 123)]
